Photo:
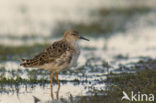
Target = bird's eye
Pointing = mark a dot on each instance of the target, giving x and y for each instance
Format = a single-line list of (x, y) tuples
[(74, 34)]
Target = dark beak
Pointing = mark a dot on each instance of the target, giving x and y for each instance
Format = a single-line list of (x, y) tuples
[(83, 38)]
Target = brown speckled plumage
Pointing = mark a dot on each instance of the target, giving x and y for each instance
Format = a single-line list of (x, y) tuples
[(58, 56)]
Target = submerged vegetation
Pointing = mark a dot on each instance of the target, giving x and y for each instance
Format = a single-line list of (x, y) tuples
[(142, 80)]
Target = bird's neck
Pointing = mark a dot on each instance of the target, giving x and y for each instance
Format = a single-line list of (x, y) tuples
[(73, 43)]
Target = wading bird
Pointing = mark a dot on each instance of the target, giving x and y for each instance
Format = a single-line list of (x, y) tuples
[(61, 55)]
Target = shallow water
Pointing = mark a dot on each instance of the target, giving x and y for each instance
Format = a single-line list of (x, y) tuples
[(117, 53)]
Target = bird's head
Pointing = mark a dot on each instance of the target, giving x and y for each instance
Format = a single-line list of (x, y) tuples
[(73, 35)]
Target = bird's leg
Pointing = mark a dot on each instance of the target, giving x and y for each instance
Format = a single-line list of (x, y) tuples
[(57, 77), (51, 79)]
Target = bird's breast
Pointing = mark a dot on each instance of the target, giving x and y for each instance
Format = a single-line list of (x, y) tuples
[(75, 55), (74, 60)]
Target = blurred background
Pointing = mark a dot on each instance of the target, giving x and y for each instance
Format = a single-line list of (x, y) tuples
[(122, 35)]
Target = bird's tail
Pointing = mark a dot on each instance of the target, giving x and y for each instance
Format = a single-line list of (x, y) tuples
[(27, 62)]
